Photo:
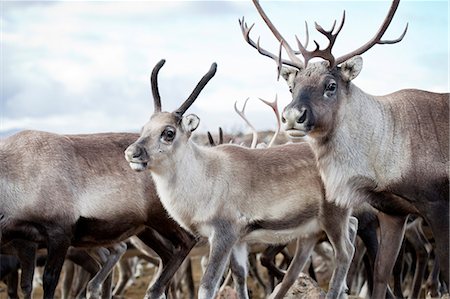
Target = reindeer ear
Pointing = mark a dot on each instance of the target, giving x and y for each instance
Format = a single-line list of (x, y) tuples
[(351, 68), (289, 74), (190, 122)]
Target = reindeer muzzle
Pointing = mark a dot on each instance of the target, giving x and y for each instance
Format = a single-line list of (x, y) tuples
[(137, 157), (297, 122)]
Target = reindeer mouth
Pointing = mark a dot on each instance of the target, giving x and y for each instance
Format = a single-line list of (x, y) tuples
[(295, 133), (138, 166)]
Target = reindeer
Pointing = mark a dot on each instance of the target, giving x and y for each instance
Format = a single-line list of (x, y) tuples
[(62, 190), (391, 151), (365, 214), (233, 195)]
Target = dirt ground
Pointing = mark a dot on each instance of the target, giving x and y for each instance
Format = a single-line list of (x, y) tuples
[(138, 288)]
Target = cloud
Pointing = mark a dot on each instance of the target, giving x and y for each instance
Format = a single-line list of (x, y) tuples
[(85, 66)]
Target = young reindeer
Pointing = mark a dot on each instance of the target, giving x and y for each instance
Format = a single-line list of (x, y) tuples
[(391, 151), (234, 195)]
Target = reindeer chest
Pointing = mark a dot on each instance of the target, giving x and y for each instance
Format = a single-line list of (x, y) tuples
[(345, 179), (183, 205)]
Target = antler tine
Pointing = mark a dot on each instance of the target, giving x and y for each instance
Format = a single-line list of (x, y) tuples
[(377, 38), (324, 53), (241, 113), (220, 136), (210, 139), (394, 41), (154, 85), (307, 39), (246, 33), (201, 84), (294, 59), (274, 106)]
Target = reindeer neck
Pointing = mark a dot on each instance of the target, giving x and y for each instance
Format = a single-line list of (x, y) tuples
[(185, 162), (360, 145), (180, 182)]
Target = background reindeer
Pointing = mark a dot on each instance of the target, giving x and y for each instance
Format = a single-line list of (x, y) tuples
[(62, 190), (391, 151)]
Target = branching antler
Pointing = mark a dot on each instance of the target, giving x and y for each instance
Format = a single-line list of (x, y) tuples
[(242, 115), (377, 38), (274, 106), (317, 52), (325, 53), (246, 33)]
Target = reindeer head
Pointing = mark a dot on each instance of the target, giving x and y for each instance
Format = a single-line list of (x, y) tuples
[(317, 88), (163, 134)]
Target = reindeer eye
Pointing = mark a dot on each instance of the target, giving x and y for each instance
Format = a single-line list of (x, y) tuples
[(331, 87), (168, 134)]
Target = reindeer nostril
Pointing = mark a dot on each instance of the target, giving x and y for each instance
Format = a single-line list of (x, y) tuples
[(283, 120), (302, 118), (137, 152)]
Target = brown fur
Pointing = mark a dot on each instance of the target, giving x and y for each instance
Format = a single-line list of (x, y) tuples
[(78, 188)]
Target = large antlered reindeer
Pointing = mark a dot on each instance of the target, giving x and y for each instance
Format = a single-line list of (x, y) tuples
[(392, 150)]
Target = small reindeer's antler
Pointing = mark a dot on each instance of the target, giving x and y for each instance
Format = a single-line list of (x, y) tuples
[(242, 115), (274, 106), (154, 84), (190, 100)]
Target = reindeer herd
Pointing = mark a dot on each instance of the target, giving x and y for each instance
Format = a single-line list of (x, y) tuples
[(368, 165)]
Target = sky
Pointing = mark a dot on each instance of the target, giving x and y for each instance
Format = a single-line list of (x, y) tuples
[(84, 66)]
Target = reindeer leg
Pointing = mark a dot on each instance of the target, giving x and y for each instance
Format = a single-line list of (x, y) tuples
[(367, 231), (58, 243), (355, 265), (255, 273), (238, 264), (172, 255), (413, 234), (302, 253), (221, 243), (190, 280), (94, 285), (83, 278), (124, 276), (392, 229), (267, 260), (26, 252), (433, 283), (107, 285), (9, 273), (89, 267), (341, 233), (436, 215), (397, 272), (69, 270), (12, 281)]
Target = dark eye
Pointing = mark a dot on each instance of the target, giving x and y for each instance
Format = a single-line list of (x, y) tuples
[(331, 86), (168, 134)]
